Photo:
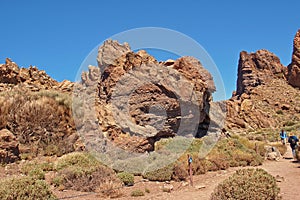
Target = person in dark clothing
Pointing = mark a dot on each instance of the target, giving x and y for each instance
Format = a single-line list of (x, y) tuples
[(293, 140)]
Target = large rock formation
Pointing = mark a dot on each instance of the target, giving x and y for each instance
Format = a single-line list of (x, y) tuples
[(294, 67), (142, 100)]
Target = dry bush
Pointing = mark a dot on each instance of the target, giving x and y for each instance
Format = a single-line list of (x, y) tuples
[(248, 184), (81, 171), (42, 120), (109, 189), (180, 172), (25, 188)]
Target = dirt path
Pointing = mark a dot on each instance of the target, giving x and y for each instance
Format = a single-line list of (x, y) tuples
[(285, 170)]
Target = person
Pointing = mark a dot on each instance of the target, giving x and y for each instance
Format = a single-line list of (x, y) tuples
[(283, 136), (293, 140)]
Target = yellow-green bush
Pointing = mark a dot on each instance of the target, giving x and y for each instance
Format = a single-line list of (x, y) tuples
[(248, 184), (137, 193), (25, 188), (163, 174)]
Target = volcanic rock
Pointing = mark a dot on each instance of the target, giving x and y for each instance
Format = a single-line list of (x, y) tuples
[(147, 100)]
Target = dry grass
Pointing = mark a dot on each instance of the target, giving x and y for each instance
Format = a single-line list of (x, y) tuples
[(42, 120)]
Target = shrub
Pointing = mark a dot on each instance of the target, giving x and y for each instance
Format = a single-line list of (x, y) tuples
[(109, 189), (163, 174), (25, 188), (147, 190), (137, 193), (126, 178), (247, 184), (81, 171)]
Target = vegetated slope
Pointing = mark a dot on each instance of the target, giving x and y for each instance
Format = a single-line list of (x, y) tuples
[(37, 110)]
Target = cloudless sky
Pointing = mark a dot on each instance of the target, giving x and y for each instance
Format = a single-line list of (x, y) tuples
[(56, 36)]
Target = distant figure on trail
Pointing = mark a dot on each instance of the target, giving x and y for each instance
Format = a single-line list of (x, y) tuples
[(283, 136), (293, 140)]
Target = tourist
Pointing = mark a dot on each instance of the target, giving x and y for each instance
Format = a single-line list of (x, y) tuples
[(293, 140), (283, 136)]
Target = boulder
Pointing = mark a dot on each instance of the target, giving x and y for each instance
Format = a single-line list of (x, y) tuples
[(9, 147)]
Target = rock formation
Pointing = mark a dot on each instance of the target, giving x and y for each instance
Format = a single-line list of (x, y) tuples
[(294, 67), (257, 69), (142, 100)]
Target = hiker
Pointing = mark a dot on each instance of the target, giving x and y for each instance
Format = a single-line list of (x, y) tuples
[(293, 143), (283, 136), (190, 160)]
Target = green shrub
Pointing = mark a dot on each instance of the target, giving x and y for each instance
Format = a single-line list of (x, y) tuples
[(137, 193), (126, 178), (163, 174), (248, 184), (25, 188), (147, 190)]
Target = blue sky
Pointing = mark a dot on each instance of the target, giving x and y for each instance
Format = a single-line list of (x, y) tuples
[(56, 36)]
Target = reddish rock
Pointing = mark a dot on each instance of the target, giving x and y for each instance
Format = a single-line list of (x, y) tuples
[(294, 67), (9, 147), (256, 69)]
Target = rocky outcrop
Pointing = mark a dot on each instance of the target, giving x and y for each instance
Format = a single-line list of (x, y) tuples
[(141, 100), (9, 147), (32, 78), (294, 67), (256, 69)]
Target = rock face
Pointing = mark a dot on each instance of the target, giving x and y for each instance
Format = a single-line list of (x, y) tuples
[(257, 69), (9, 147), (294, 67), (142, 100)]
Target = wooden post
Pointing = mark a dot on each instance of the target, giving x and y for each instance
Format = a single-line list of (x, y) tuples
[(190, 160)]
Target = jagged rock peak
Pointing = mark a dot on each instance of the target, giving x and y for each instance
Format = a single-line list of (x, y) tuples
[(256, 69), (294, 67), (110, 51)]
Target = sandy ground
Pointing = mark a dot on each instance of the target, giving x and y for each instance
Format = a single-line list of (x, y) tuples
[(286, 171)]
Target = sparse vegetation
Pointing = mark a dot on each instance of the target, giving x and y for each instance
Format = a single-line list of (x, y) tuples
[(25, 188), (248, 184)]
